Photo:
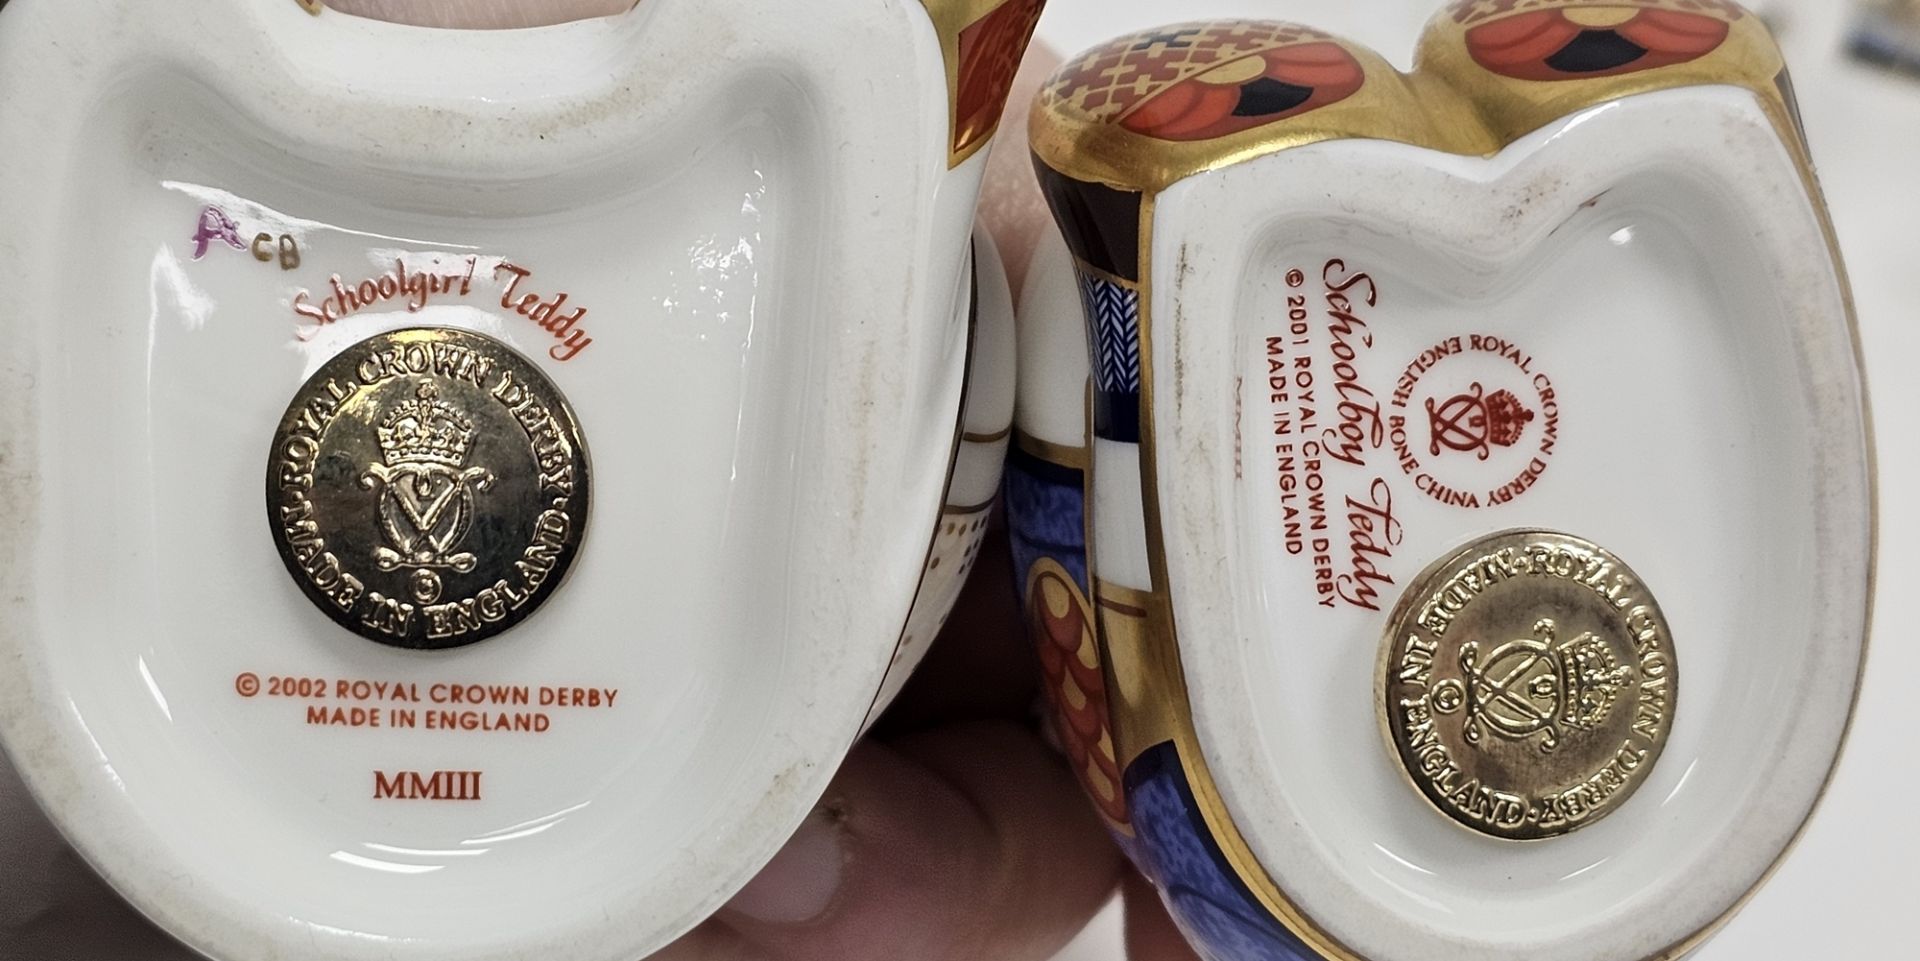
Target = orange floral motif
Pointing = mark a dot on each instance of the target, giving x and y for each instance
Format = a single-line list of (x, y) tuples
[(1581, 41), (990, 54), (1061, 623), (1201, 81)]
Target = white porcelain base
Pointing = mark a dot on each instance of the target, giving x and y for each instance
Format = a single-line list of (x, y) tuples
[(1653, 264), (768, 242)]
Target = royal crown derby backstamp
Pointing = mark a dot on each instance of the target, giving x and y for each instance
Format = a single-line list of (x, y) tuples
[(1442, 501), (521, 462), (1405, 467)]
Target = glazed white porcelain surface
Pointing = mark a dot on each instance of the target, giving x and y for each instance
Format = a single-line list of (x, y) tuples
[(769, 244), (980, 453), (1052, 400), (1846, 890), (1656, 259)]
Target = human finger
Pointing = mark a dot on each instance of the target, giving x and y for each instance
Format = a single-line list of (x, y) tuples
[(966, 843), (1151, 935)]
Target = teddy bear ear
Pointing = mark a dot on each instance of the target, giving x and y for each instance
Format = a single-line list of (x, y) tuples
[(1524, 66), (1191, 96), (1253, 90), (983, 42)]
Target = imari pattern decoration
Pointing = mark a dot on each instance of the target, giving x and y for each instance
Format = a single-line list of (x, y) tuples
[(1045, 510), (1111, 132), (1571, 40), (1062, 624), (1115, 311), (1045, 504), (1107, 231), (1202, 81), (1154, 107), (1520, 64), (984, 42)]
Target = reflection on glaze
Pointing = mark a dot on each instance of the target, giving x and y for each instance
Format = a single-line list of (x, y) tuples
[(406, 860)]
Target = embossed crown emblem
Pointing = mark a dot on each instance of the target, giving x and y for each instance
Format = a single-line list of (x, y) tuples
[(426, 502), (425, 431), (1536, 687), (1593, 680)]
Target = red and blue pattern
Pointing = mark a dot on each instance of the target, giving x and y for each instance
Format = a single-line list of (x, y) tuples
[(1164, 832)]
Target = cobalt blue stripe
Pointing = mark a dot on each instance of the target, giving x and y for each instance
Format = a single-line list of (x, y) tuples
[(1212, 906), (1046, 518)]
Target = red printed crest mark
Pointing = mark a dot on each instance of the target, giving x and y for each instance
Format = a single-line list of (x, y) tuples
[(990, 54), (1061, 623), (1594, 40), (1493, 421), (1203, 81), (1474, 423)]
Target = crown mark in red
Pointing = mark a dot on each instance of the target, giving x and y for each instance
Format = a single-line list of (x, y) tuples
[(1475, 422)]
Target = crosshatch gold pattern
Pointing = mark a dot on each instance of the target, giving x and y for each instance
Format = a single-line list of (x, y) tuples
[(1452, 102), (1078, 125)]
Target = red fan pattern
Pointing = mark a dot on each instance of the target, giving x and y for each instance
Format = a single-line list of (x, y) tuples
[(1202, 81), (1583, 42), (1061, 623)]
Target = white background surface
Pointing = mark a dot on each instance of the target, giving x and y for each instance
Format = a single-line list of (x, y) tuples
[(1850, 889)]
